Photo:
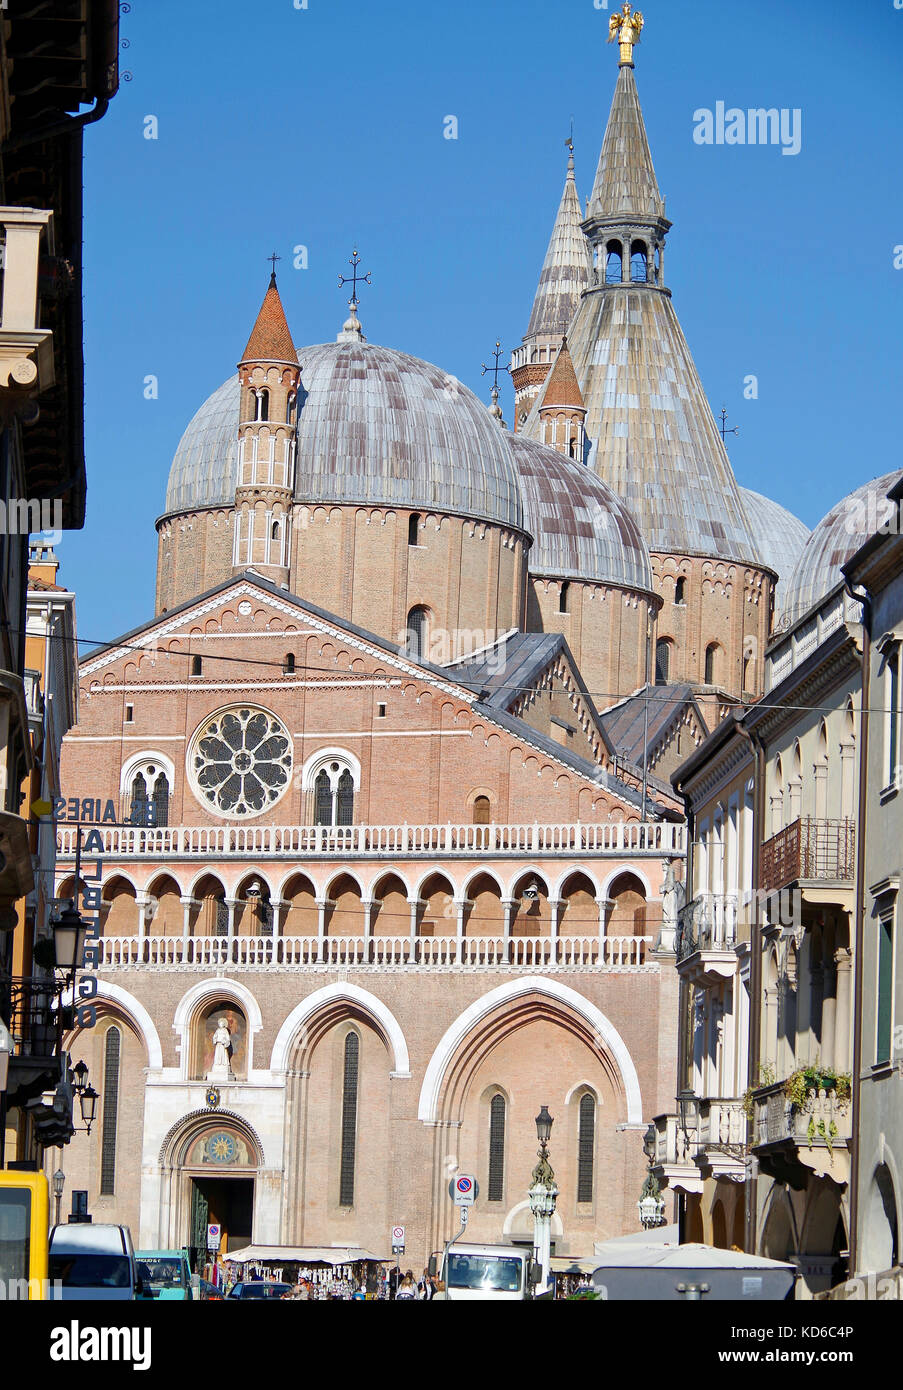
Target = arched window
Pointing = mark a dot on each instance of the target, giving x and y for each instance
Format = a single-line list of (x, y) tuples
[(197, 666), (140, 810), (288, 664), (110, 1115), (349, 1120), (414, 528), (638, 263), (496, 1185), (662, 661), (289, 408), (680, 589), (274, 531), (161, 800), (563, 596), (613, 273), (263, 406), (711, 654), (333, 795), (416, 646), (586, 1147), (482, 810), (345, 799), (745, 680)]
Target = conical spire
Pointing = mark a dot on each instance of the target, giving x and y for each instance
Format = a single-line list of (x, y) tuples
[(567, 268), (650, 431), (562, 387), (270, 339), (626, 186)]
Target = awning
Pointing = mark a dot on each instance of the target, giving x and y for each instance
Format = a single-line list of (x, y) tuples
[(304, 1254), (585, 1264)]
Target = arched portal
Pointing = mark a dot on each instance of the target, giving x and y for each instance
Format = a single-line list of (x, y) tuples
[(210, 1163)]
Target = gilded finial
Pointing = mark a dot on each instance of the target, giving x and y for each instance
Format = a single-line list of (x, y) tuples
[(626, 28)]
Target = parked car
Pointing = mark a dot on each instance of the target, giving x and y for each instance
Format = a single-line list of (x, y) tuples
[(207, 1292), (94, 1262), (258, 1288), (165, 1274)]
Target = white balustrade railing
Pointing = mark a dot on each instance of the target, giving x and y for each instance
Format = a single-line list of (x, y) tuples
[(296, 841), (243, 952)]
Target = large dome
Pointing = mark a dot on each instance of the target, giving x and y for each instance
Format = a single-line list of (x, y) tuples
[(376, 427), (779, 535), (580, 529), (835, 539)]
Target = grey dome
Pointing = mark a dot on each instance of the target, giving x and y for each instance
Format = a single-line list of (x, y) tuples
[(580, 528), (376, 427), (779, 535), (835, 539)]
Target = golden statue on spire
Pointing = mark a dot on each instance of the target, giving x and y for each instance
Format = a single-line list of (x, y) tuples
[(625, 27)]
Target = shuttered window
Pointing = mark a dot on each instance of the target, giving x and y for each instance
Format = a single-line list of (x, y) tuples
[(496, 1185), (349, 1120), (110, 1117), (586, 1148)]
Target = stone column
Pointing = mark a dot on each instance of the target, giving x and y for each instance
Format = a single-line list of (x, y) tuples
[(142, 902), (368, 905), (510, 905), (555, 906), (625, 261), (187, 905), (847, 768), (462, 907), (829, 999), (843, 960), (416, 905), (322, 905)]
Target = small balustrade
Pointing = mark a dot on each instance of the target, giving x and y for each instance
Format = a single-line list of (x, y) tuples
[(289, 952), (823, 1119), (378, 841)]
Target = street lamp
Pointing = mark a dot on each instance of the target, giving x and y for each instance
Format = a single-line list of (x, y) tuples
[(687, 1108), (87, 1100), (651, 1206), (59, 1182), (543, 1193), (69, 933)]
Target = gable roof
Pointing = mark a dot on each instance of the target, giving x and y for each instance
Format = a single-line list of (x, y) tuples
[(463, 686)]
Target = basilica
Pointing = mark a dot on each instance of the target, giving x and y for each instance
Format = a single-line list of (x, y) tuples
[(396, 852)]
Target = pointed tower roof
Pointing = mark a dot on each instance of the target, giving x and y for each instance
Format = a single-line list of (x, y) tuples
[(563, 388), (567, 268), (270, 339), (626, 185), (649, 428)]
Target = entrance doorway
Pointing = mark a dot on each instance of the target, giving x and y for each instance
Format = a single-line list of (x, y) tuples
[(227, 1201)]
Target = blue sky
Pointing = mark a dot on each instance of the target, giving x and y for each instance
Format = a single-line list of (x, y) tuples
[(323, 127)]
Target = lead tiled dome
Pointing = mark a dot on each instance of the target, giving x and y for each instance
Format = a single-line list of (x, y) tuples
[(375, 426), (580, 529), (836, 537)]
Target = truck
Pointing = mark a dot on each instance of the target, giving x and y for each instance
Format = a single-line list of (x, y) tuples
[(500, 1273)]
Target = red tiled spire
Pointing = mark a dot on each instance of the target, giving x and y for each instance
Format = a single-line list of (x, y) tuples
[(270, 339), (562, 387)]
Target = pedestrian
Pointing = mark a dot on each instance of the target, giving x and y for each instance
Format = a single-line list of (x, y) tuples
[(425, 1286), (407, 1288)]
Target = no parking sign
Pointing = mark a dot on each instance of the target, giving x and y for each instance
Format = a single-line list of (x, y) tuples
[(463, 1190), (214, 1234)]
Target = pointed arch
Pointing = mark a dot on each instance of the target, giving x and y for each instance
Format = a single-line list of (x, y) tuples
[(193, 1001), (380, 1014), (466, 1022)]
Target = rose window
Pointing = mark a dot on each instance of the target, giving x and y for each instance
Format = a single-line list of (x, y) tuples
[(241, 761)]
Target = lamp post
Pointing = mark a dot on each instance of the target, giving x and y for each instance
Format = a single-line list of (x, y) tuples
[(651, 1205), (543, 1193), (59, 1182), (69, 933)]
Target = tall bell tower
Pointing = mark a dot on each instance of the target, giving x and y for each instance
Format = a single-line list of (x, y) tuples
[(270, 376)]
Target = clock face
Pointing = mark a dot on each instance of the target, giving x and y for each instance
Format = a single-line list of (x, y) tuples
[(221, 1147)]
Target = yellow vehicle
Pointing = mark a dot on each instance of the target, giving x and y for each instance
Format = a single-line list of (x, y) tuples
[(24, 1219)]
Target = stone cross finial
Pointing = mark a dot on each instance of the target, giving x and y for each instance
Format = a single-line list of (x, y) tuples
[(625, 27)]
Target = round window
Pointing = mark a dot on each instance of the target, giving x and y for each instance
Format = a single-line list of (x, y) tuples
[(241, 761)]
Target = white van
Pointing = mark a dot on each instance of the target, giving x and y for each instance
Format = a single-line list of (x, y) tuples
[(93, 1262), (497, 1272)]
